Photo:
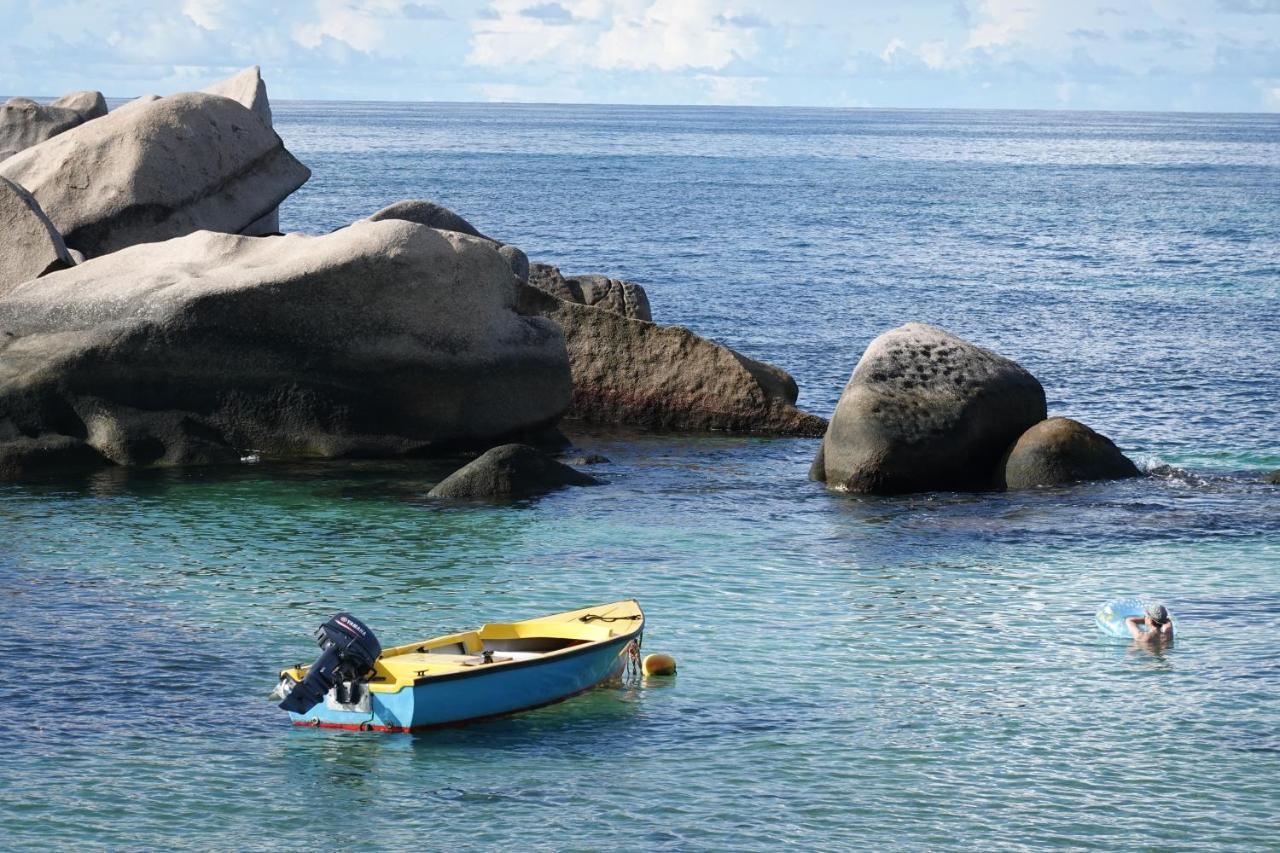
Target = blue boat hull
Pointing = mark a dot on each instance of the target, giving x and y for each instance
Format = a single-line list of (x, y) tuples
[(474, 695)]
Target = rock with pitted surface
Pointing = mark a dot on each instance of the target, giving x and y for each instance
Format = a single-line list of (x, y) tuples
[(621, 297), (637, 374), (378, 339), (549, 279), (516, 259), (436, 216), (925, 411), (158, 170), (1060, 450), (30, 245), (509, 472), (24, 123), (23, 457)]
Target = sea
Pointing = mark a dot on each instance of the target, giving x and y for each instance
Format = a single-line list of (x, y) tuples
[(914, 673)]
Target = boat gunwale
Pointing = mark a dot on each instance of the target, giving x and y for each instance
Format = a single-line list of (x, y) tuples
[(506, 666)]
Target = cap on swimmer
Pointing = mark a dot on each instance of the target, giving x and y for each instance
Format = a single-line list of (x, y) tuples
[(1157, 613)]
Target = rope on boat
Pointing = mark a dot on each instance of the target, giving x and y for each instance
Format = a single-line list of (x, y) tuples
[(633, 669)]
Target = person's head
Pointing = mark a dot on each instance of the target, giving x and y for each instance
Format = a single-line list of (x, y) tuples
[(1157, 615)]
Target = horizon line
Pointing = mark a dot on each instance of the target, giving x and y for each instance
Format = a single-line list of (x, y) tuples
[(826, 108)]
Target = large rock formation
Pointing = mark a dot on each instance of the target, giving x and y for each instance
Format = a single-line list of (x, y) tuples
[(633, 373), (248, 89), (924, 411), (380, 338), (1060, 450), (158, 170), (140, 101), (29, 244), (89, 105), (621, 297), (430, 214), (436, 216), (1273, 478), (24, 123), (509, 472)]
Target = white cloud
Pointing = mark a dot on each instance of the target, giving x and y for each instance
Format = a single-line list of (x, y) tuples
[(512, 37), (1003, 21), (206, 13), (366, 25), (934, 54), (636, 35), (893, 48), (726, 91), (671, 35), (1271, 96)]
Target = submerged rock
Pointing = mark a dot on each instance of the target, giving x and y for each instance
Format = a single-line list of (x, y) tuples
[(24, 123), (377, 339), (509, 471), (589, 459), (925, 410), (637, 374), (1060, 450), (158, 170), (1273, 478), (621, 297), (30, 245)]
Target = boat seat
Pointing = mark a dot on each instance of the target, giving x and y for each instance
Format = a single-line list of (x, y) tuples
[(499, 656)]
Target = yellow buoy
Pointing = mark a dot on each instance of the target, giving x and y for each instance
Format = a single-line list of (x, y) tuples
[(659, 664)]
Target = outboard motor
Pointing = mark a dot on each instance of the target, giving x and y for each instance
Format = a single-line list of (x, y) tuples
[(350, 650)]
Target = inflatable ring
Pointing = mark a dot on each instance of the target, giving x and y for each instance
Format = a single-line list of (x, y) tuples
[(1111, 616)]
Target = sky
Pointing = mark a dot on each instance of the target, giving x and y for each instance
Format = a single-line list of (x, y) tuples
[(1201, 55)]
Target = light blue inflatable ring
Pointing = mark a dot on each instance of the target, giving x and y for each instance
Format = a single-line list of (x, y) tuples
[(1111, 616)]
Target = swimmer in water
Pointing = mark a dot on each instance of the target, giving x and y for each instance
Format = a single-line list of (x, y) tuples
[(1159, 627)]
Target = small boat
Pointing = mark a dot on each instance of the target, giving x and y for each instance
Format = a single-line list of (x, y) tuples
[(499, 669)]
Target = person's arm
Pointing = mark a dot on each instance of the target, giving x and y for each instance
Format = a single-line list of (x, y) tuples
[(1132, 624)]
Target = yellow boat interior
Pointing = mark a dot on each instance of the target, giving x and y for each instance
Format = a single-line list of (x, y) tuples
[(497, 644)]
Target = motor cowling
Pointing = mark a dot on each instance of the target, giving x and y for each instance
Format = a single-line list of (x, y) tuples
[(349, 651)]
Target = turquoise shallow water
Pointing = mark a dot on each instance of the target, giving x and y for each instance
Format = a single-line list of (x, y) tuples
[(915, 672)]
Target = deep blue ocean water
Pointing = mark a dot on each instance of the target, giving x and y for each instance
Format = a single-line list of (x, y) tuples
[(916, 672)]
